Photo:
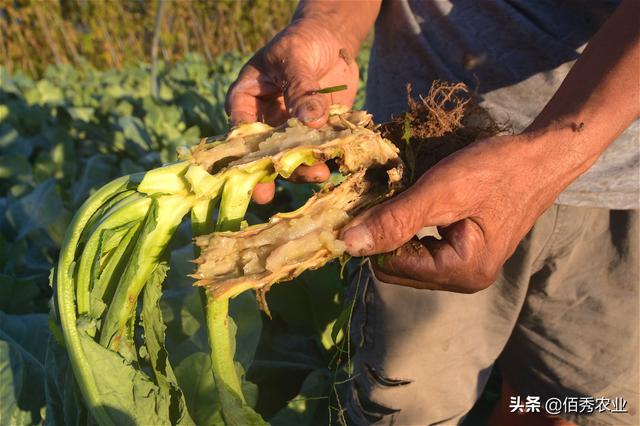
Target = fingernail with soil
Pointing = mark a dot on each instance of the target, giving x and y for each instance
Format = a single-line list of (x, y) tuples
[(358, 240), (309, 111)]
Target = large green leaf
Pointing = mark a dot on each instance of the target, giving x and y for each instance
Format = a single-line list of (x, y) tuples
[(15, 168), (12, 143), (41, 210), (22, 358), (65, 405), (311, 405), (18, 295), (98, 170), (130, 396), (154, 331), (196, 381)]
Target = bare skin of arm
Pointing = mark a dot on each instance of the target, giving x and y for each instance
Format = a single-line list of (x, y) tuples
[(486, 197), (316, 50)]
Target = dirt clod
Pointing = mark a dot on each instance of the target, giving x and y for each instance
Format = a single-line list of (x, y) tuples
[(437, 124)]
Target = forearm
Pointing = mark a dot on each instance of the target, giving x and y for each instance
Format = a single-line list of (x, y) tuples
[(349, 21), (598, 100)]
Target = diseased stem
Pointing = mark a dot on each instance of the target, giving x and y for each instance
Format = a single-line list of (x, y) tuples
[(202, 218), (134, 218), (167, 215), (217, 313), (235, 201), (220, 338), (65, 289), (236, 195), (222, 353), (107, 279), (131, 209)]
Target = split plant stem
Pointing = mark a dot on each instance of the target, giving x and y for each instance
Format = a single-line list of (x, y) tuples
[(235, 201), (65, 288)]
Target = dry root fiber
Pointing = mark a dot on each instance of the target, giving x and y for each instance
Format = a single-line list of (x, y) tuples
[(436, 125)]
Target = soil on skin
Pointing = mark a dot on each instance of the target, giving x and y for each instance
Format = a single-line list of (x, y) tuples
[(440, 123)]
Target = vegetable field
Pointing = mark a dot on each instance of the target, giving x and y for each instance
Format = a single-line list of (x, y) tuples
[(64, 136)]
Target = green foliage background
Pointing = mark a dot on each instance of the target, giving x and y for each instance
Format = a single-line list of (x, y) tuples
[(116, 33), (70, 131)]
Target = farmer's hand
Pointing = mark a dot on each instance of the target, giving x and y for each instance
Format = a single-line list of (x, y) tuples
[(280, 80), (484, 199), (316, 51)]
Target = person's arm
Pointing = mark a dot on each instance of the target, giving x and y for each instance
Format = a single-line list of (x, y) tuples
[(598, 99), (487, 196), (315, 51)]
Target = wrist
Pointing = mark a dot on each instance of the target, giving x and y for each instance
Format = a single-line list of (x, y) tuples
[(567, 141), (348, 22), (333, 38), (556, 153)]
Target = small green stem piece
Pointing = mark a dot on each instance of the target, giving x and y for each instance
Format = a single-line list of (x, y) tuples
[(331, 89), (222, 351), (236, 196)]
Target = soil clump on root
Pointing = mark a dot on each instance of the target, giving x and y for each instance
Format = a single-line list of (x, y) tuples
[(436, 125)]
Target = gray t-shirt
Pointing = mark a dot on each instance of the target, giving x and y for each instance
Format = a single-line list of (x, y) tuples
[(514, 54)]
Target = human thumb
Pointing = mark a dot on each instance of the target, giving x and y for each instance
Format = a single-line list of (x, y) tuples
[(385, 227)]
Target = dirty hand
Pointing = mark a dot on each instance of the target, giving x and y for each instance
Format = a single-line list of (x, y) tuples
[(484, 199), (280, 82)]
